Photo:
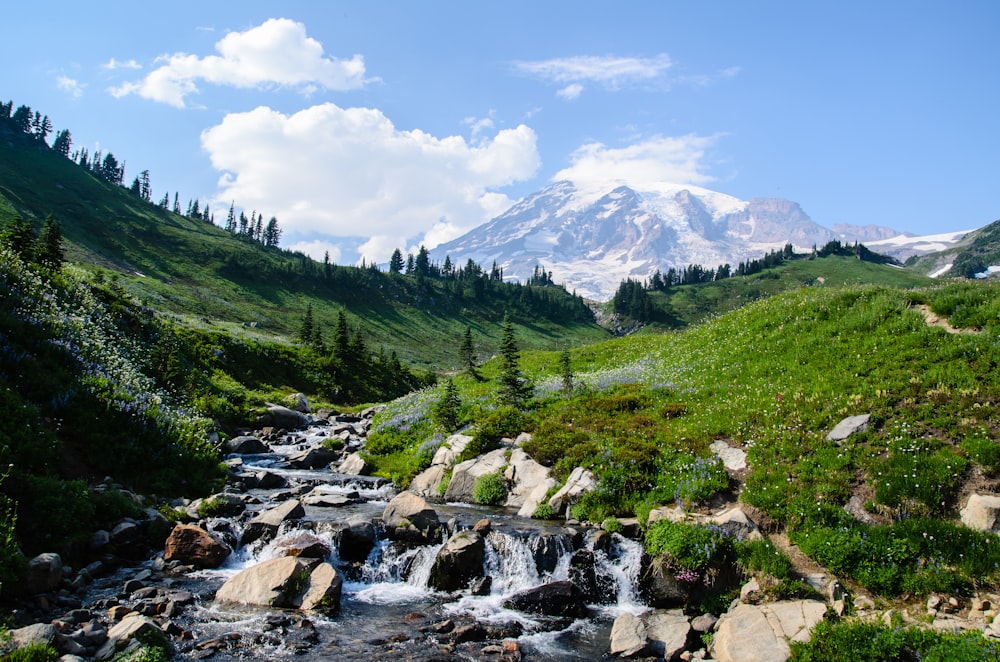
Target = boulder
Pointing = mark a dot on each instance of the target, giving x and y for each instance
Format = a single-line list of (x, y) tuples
[(448, 452), (536, 497), (981, 512), (133, 627), (458, 562), (319, 499), (245, 445), (524, 475), (356, 540), (354, 465), (583, 573), (194, 546), (734, 459), (628, 636), (580, 481), (318, 457), (266, 524), (39, 633), (285, 582), (660, 587), (408, 518), (465, 474), (562, 598), (847, 427), (298, 402), (761, 633), (302, 544), (45, 571), (736, 523), (286, 418), (426, 482), (668, 633)]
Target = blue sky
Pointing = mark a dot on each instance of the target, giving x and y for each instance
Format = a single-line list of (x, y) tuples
[(366, 126)]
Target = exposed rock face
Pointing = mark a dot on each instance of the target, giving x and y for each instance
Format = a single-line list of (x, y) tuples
[(465, 475), (562, 598), (195, 546), (580, 481), (286, 418), (426, 482), (736, 523), (266, 524), (459, 561), (524, 475), (536, 496), (285, 582), (133, 628), (663, 634), (982, 512), (408, 518), (760, 633)]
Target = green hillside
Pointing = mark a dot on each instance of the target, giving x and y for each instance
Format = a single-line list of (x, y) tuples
[(973, 254)]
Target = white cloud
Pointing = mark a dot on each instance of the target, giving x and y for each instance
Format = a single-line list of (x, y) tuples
[(675, 160), (70, 85), (114, 64), (350, 173), (277, 52), (317, 249), (571, 92), (611, 72)]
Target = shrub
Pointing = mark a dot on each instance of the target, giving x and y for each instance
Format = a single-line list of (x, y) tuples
[(33, 653), (612, 525), (691, 551), (496, 425), (544, 511), (490, 489), (875, 641)]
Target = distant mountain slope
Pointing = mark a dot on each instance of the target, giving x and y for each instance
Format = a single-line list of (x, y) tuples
[(972, 255), (594, 237)]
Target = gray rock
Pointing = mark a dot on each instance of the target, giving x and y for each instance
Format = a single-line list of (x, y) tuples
[(245, 445), (285, 582), (524, 476), (579, 482), (848, 426), (628, 636), (668, 632), (133, 628), (734, 459), (300, 403), (761, 633), (561, 598), (39, 633), (458, 562), (408, 518), (45, 571), (426, 483), (356, 540), (981, 512), (465, 474), (286, 418), (314, 458), (302, 544), (266, 524), (354, 465)]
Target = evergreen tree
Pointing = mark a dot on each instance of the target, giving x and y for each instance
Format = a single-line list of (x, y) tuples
[(19, 236), (396, 262), (62, 143), (422, 264), (177, 203), (307, 328), (341, 338), (447, 409), (231, 218), (566, 369), (447, 269), (514, 386), (272, 235), (409, 264), (469, 353), (145, 189), (49, 249)]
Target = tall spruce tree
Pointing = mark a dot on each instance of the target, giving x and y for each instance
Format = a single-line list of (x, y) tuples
[(307, 328), (49, 249), (515, 389), (447, 409), (468, 351)]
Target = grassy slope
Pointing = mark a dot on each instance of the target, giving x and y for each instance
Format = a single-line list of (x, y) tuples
[(197, 271)]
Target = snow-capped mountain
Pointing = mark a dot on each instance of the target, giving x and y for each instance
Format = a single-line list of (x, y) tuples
[(593, 237)]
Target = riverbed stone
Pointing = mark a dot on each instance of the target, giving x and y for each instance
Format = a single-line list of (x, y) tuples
[(322, 591), (580, 481), (628, 635), (465, 474), (318, 457), (408, 518), (356, 540), (761, 633), (354, 465), (560, 598), (266, 524), (39, 633), (273, 583), (246, 445), (133, 627), (284, 417), (45, 571), (459, 561), (302, 544), (982, 512), (195, 546)]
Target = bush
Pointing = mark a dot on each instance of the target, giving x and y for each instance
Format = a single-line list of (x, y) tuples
[(33, 653), (690, 550), (612, 525), (874, 641), (504, 422), (490, 489), (544, 511)]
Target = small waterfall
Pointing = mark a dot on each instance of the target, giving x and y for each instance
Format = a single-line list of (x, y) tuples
[(621, 568), (394, 573), (518, 563)]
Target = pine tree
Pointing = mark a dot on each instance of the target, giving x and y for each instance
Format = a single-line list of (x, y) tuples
[(19, 236), (514, 386), (231, 218), (469, 353), (447, 409), (566, 369), (341, 338), (306, 329), (396, 262), (62, 143)]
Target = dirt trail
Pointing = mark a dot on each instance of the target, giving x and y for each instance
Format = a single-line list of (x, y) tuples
[(933, 319)]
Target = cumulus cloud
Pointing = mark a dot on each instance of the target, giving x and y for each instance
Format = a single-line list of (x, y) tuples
[(351, 173), (114, 64), (70, 85), (277, 52), (656, 160), (610, 72), (318, 249)]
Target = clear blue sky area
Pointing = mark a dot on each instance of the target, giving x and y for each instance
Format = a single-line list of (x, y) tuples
[(365, 126)]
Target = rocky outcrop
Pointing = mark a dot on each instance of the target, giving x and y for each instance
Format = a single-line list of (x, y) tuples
[(659, 633), (266, 524), (760, 633), (524, 475), (285, 582), (982, 512), (459, 561), (194, 546), (408, 518), (579, 482), (465, 474), (427, 481), (734, 459)]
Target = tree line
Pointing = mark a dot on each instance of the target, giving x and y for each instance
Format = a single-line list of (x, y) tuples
[(107, 168)]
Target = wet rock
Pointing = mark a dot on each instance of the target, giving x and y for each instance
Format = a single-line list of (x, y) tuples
[(190, 544), (314, 458), (266, 524), (583, 573), (580, 481), (459, 561), (285, 582), (133, 628), (660, 588), (283, 417), (408, 518), (322, 591), (303, 544), (356, 540), (562, 598), (246, 445), (45, 572), (760, 633), (327, 500)]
